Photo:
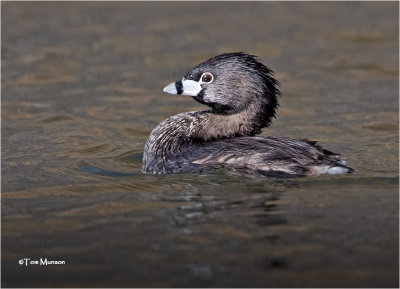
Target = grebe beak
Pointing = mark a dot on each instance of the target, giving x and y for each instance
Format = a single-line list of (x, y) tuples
[(171, 88), (184, 87)]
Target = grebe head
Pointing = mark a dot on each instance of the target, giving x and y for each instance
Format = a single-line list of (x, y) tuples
[(230, 83)]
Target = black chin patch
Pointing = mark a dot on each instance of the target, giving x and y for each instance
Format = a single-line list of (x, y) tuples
[(179, 87), (222, 108), (216, 107), (200, 97)]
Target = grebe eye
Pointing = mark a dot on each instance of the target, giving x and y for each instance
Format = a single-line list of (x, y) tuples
[(207, 77)]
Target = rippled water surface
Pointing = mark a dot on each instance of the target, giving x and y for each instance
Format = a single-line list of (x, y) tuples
[(81, 91)]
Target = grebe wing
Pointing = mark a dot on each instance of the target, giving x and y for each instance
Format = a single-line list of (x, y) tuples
[(272, 156)]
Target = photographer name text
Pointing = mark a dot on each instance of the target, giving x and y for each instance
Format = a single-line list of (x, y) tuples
[(41, 262)]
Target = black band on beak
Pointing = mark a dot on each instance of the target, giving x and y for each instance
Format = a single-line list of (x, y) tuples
[(179, 87)]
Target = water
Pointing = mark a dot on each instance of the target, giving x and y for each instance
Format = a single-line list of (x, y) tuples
[(81, 91)]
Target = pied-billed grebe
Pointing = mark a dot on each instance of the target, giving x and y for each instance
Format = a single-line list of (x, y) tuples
[(243, 96)]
